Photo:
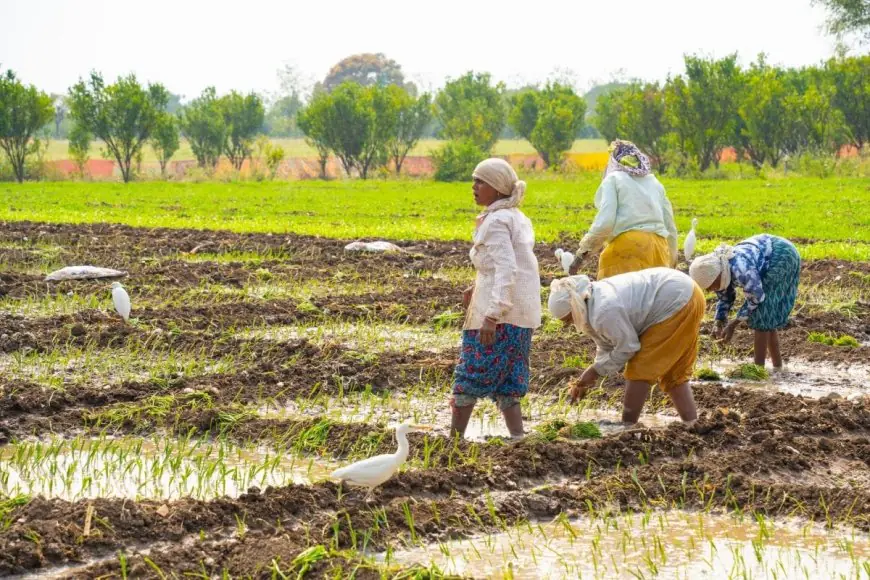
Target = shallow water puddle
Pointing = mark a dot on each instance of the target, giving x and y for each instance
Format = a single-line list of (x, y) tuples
[(376, 337), (671, 544), (813, 380), (139, 468), (486, 422)]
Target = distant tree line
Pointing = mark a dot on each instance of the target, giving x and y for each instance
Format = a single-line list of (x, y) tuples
[(367, 115), (764, 112)]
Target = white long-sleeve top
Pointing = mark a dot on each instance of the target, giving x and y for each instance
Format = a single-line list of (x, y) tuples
[(508, 285), (623, 307), (628, 203)]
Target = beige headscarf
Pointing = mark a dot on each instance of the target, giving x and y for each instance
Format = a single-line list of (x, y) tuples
[(501, 176), (704, 269), (568, 296)]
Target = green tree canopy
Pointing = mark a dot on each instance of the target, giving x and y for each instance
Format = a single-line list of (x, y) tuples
[(549, 119), (23, 111), (243, 120), (123, 115), (203, 124), (472, 108)]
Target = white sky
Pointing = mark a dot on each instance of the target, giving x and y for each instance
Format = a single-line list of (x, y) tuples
[(190, 44)]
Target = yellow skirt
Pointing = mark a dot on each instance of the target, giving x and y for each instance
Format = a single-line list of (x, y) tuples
[(668, 349), (633, 251)]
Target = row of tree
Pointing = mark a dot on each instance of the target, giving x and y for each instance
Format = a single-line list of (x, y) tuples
[(366, 115), (764, 112)]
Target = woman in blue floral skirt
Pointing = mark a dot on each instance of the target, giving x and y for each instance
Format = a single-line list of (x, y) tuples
[(503, 305)]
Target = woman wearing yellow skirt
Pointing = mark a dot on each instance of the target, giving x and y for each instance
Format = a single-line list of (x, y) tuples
[(644, 322), (635, 221)]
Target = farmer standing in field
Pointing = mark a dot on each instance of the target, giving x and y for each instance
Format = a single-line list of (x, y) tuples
[(635, 221), (646, 322), (504, 304), (768, 269)]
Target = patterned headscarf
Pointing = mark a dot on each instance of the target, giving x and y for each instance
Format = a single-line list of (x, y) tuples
[(705, 269), (625, 156)]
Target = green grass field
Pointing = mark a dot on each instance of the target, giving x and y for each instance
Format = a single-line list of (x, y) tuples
[(59, 149), (829, 218)]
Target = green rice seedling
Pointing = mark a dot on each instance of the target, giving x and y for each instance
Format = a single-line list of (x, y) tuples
[(585, 430), (707, 374), (843, 340), (447, 319), (749, 372), (576, 361)]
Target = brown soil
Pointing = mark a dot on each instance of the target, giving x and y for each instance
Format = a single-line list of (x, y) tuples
[(752, 449)]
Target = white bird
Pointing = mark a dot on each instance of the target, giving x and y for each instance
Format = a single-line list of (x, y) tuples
[(689, 243), (566, 259), (121, 300), (374, 471)]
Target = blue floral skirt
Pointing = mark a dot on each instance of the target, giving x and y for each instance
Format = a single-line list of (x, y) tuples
[(780, 284), (499, 371)]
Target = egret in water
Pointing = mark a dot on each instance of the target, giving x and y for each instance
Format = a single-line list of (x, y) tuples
[(121, 300), (566, 259), (374, 471), (689, 243)]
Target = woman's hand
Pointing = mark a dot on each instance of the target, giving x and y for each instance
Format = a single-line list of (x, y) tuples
[(575, 265), (466, 296), (487, 332), (728, 331), (587, 380)]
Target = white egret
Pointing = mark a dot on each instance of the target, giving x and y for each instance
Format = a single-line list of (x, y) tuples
[(121, 300), (374, 471), (566, 259), (689, 243)]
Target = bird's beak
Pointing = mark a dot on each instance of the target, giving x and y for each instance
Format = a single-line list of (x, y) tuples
[(421, 427)]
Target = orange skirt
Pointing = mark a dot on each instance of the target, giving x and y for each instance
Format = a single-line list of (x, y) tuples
[(668, 349), (633, 251)]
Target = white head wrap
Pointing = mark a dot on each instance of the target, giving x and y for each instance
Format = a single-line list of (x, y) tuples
[(568, 296), (705, 269), (501, 176)]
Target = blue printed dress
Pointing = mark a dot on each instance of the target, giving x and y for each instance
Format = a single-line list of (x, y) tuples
[(499, 371), (768, 269)]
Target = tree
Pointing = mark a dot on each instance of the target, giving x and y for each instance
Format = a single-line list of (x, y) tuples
[(367, 69), (471, 108), (848, 16), (608, 109), (348, 123), (23, 111), (549, 119), (243, 119), (202, 122), (79, 147), (850, 78), (385, 108), (765, 116), (312, 121), (702, 107), (414, 116), (165, 140), (281, 118), (122, 115), (819, 128)]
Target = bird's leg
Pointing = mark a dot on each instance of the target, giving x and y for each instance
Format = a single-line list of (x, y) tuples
[(368, 497)]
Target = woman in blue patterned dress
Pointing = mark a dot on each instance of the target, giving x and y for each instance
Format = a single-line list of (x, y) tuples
[(768, 268)]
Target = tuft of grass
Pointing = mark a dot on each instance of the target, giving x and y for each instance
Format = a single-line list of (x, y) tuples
[(575, 361), (707, 374), (447, 319), (844, 340), (749, 372)]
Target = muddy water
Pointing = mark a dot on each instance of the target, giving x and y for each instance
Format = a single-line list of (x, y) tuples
[(814, 380), (435, 411), (137, 468), (662, 544)]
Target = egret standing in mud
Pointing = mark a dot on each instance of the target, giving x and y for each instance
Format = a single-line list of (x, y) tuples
[(121, 300), (374, 471)]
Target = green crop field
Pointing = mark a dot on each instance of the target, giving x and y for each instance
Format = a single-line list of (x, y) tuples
[(829, 218)]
